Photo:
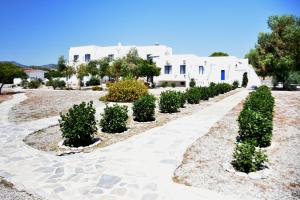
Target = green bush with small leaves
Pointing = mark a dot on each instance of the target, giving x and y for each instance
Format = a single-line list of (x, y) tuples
[(193, 95), (182, 97), (192, 83), (144, 109), (169, 102), (245, 80), (164, 84), (93, 81), (173, 85), (246, 158), (114, 119), (235, 84), (34, 84), (78, 125), (255, 127)]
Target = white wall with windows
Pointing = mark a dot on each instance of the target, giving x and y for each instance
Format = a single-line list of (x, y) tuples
[(179, 69)]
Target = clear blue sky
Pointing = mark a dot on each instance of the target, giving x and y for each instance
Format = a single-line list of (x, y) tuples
[(36, 32)]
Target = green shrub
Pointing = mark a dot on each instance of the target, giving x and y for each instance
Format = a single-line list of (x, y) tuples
[(173, 85), (34, 84), (261, 101), (169, 102), (97, 88), (253, 126), (56, 84), (193, 95), (93, 81), (114, 119), (164, 84), (78, 125), (292, 80), (247, 158), (126, 91), (205, 93), (144, 109), (235, 84), (245, 80), (24, 84), (192, 83), (182, 97)]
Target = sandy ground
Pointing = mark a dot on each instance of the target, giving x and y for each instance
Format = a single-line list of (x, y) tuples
[(202, 163), (47, 103), (6, 94), (47, 139), (9, 192)]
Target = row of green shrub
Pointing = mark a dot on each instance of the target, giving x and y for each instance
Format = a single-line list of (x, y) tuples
[(255, 130), (79, 125)]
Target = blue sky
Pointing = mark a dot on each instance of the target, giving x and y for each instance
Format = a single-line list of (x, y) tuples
[(36, 32)]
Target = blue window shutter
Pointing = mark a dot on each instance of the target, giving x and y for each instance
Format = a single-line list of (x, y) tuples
[(222, 75)]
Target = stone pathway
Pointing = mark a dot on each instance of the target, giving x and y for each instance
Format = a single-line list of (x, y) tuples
[(140, 167)]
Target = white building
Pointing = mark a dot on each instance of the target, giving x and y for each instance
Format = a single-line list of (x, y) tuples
[(178, 69), (35, 73)]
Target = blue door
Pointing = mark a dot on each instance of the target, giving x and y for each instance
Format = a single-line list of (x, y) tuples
[(222, 75)]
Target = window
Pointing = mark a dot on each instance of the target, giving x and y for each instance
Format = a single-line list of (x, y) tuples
[(168, 69), (76, 58), (87, 57), (111, 57), (222, 75), (182, 69), (201, 70)]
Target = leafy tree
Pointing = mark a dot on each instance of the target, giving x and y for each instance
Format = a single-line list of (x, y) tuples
[(245, 79), (53, 74), (278, 52), (147, 68), (117, 69), (218, 53), (103, 67), (9, 71)]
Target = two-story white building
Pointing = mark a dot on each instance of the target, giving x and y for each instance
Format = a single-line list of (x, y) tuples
[(178, 69)]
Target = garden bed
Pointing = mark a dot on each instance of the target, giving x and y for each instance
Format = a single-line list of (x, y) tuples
[(47, 139), (202, 165)]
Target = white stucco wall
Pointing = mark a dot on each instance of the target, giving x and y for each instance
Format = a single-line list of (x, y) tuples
[(162, 55)]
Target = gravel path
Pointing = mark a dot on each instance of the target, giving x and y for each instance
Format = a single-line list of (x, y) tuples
[(202, 163), (9, 192)]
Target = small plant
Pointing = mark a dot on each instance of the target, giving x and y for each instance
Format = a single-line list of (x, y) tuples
[(192, 83), (34, 84), (173, 85), (245, 80), (144, 109), (97, 88), (235, 84), (93, 81), (246, 158), (78, 125), (169, 102), (114, 119), (164, 84), (193, 95), (126, 91)]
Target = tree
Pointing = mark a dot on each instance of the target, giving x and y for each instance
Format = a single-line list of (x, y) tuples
[(103, 67), (148, 68), (63, 67), (8, 72), (279, 51), (245, 80), (218, 53), (117, 69)]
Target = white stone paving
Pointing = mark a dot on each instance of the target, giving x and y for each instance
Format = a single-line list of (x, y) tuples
[(140, 167)]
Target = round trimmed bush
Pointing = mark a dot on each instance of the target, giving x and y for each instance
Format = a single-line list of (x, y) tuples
[(235, 84), (126, 91), (193, 95), (114, 119), (34, 84), (192, 83), (93, 81), (78, 125), (255, 127), (169, 102), (144, 109)]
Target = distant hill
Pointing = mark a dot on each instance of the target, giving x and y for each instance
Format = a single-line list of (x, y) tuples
[(48, 66)]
